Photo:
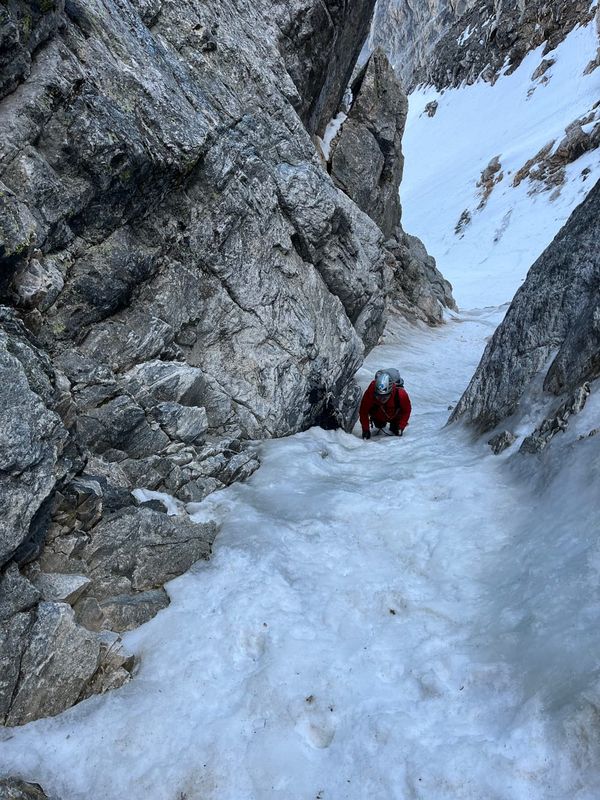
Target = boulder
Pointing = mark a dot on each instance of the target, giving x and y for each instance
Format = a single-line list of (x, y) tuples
[(57, 659)]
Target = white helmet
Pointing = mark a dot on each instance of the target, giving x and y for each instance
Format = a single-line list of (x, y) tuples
[(383, 386)]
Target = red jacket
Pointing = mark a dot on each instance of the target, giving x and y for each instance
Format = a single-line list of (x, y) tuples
[(396, 409)]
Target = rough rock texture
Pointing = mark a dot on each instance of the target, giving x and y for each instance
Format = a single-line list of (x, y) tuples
[(126, 555), (556, 422), (157, 181), (366, 162), (183, 275), (15, 789), (409, 31), (446, 42), (552, 326), (34, 442), (320, 43), (48, 662)]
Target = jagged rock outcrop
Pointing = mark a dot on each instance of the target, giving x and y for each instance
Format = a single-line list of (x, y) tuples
[(557, 422), (552, 327), (446, 42), (183, 276), (366, 162), (420, 290), (408, 32), (126, 558), (15, 789), (495, 36)]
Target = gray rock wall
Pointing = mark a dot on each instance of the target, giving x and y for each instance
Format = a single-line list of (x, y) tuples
[(366, 162), (408, 32), (551, 328), (156, 180), (178, 273)]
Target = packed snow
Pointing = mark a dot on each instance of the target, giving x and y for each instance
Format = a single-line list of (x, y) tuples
[(400, 618), (331, 131)]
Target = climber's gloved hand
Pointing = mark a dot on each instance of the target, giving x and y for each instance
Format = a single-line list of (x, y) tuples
[(366, 434)]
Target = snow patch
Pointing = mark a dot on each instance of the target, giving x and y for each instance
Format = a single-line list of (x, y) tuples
[(173, 506)]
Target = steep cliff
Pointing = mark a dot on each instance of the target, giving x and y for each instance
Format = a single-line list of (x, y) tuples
[(408, 32), (179, 274), (366, 162)]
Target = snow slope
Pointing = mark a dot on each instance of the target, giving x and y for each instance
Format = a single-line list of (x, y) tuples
[(513, 119), (387, 619), (399, 619)]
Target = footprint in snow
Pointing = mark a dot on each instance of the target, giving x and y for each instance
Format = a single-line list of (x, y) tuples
[(316, 727)]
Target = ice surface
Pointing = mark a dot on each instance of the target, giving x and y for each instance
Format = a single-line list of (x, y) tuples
[(398, 619)]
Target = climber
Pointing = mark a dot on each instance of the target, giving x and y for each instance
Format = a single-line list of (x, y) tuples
[(385, 401)]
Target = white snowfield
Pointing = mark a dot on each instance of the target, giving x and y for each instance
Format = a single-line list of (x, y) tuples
[(514, 119), (398, 619)]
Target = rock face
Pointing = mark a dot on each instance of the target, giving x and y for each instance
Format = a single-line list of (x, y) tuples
[(552, 327), (156, 176), (408, 32), (446, 42), (178, 274), (366, 162)]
